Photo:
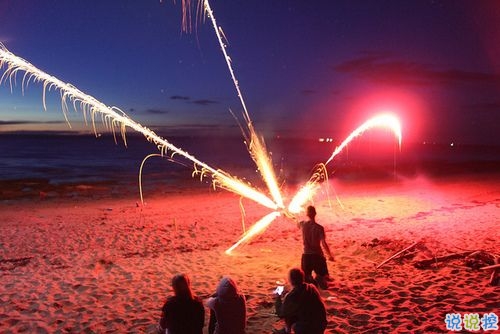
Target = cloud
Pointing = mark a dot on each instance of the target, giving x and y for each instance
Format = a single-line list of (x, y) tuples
[(179, 97), (308, 92), (198, 129), (204, 102), (156, 111), (195, 126), (187, 99), (28, 122), (379, 68)]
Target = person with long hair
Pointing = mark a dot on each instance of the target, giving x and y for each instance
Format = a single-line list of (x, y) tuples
[(182, 313)]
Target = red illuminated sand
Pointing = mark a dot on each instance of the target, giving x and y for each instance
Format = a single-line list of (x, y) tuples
[(79, 260)]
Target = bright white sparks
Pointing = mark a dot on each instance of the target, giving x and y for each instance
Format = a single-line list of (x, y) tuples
[(115, 118), (383, 120), (258, 228), (309, 189), (256, 145)]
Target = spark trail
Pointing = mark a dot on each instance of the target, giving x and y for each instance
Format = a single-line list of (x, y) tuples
[(383, 120), (113, 117), (307, 192), (256, 229), (256, 145), (309, 189)]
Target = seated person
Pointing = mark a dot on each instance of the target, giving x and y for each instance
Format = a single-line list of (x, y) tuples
[(227, 309), (302, 308), (182, 313)]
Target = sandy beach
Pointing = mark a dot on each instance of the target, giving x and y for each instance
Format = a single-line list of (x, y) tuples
[(90, 259), (392, 105)]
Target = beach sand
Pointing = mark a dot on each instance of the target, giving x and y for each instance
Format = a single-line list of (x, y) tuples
[(91, 259)]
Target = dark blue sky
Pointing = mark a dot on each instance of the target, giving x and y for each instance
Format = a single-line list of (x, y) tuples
[(312, 68)]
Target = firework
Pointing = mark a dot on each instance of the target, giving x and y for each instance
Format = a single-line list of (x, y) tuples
[(258, 228), (256, 145), (115, 118), (307, 192)]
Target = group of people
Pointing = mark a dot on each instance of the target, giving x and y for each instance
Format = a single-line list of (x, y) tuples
[(184, 313), (301, 308)]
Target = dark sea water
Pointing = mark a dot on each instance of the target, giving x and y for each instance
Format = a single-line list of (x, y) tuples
[(80, 159), (84, 158)]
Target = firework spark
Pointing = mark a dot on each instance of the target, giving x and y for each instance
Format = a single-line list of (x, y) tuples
[(307, 192), (256, 229), (258, 150), (383, 120), (114, 118), (309, 189), (256, 145)]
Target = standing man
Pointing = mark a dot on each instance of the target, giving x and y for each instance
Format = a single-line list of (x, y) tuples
[(313, 235)]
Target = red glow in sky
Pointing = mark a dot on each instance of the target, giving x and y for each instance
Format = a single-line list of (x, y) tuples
[(407, 106)]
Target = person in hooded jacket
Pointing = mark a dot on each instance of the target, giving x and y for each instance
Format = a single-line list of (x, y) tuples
[(227, 309), (302, 308), (182, 313)]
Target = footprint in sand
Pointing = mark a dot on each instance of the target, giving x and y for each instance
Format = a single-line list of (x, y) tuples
[(359, 320), (418, 301), (398, 301), (403, 294)]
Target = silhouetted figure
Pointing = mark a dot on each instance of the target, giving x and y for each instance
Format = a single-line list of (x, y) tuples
[(313, 235), (227, 309), (182, 313), (302, 308)]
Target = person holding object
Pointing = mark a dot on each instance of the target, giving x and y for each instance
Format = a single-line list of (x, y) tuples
[(182, 313), (313, 236), (302, 308)]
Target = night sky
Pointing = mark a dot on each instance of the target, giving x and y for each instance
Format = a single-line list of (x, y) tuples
[(306, 68)]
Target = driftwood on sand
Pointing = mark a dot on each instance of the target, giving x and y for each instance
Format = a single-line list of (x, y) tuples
[(474, 261), (494, 266), (427, 263), (495, 277), (397, 254)]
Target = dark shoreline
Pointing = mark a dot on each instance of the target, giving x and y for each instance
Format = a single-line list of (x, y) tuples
[(68, 165), (44, 189)]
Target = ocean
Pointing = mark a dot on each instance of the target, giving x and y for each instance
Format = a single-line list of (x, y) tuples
[(81, 159)]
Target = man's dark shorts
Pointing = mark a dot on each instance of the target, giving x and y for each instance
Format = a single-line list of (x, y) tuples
[(314, 262)]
